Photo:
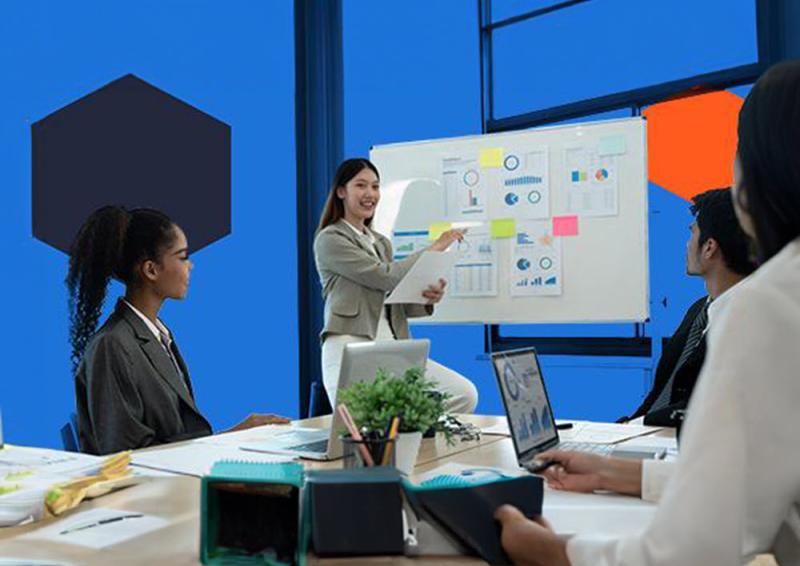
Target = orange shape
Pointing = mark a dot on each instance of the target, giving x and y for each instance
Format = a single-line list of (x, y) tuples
[(691, 142)]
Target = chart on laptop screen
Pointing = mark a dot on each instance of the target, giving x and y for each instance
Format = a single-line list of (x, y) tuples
[(525, 398)]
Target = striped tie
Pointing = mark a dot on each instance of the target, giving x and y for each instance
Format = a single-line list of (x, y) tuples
[(692, 342)]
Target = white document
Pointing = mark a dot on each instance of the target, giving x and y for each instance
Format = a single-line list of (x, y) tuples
[(465, 187), (475, 272), (44, 461), (590, 180), (521, 187), (255, 434), (98, 528), (535, 261), (603, 433), (197, 458), (498, 429), (428, 269), (31, 562)]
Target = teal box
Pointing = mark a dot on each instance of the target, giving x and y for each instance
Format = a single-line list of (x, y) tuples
[(251, 514)]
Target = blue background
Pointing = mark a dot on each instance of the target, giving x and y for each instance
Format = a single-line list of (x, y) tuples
[(411, 72)]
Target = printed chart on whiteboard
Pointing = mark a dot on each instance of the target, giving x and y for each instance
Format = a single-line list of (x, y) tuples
[(591, 182), (475, 274), (536, 261)]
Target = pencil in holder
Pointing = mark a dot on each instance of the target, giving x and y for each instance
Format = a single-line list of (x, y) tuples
[(368, 452)]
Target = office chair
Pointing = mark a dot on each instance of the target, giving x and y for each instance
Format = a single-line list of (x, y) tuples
[(69, 434), (318, 403)]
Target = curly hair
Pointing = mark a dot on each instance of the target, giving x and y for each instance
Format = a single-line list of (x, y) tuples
[(111, 244)]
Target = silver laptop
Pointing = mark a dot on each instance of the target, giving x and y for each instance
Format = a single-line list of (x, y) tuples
[(360, 362), (530, 414)]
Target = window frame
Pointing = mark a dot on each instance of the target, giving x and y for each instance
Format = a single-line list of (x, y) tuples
[(770, 43)]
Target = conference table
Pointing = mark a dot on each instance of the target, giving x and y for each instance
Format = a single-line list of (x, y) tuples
[(177, 499)]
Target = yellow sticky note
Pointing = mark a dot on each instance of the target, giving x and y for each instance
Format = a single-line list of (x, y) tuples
[(491, 158), (437, 229), (503, 228)]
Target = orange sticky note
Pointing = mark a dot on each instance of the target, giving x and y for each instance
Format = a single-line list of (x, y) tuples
[(565, 225)]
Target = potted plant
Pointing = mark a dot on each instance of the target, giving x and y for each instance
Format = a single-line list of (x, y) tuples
[(373, 405)]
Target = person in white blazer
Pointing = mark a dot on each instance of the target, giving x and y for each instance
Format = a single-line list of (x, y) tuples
[(734, 491)]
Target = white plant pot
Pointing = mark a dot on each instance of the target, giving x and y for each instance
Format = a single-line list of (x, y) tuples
[(406, 450)]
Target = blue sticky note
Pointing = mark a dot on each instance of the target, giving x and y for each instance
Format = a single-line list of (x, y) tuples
[(612, 145)]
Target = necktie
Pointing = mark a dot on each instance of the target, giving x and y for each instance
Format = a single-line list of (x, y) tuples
[(166, 344), (692, 342)]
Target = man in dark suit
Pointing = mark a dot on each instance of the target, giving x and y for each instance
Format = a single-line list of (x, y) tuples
[(717, 251)]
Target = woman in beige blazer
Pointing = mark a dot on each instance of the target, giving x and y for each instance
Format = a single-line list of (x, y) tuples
[(356, 270)]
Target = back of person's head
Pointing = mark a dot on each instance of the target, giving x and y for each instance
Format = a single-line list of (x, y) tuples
[(716, 219), (769, 158), (333, 210), (112, 243)]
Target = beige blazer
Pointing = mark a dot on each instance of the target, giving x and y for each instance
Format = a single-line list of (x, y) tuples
[(355, 283)]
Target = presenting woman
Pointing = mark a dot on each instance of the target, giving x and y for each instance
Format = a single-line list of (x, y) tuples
[(132, 385), (356, 270), (734, 491)]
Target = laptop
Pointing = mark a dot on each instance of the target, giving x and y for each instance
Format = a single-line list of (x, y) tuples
[(360, 362), (530, 414)]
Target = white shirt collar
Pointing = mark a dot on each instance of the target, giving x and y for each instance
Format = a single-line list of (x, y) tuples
[(158, 329)]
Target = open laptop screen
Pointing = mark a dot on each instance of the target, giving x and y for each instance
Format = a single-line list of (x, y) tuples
[(530, 416)]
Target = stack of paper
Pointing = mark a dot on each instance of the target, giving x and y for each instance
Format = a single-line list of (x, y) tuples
[(197, 458), (27, 474)]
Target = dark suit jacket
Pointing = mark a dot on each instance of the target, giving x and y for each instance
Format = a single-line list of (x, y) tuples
[(129, 394), (686, 377)]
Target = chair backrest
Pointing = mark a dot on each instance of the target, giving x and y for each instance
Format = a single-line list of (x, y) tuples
[(69, 436), (318, 403)]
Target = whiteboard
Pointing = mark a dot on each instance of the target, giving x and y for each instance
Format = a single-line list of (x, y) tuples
[(569, 207)]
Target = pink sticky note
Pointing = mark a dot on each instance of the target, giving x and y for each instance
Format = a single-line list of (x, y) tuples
[(565, 225)]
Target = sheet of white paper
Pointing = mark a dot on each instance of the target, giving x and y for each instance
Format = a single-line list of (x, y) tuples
[(14, 459), (590, 181), (428, 269), (98, 528), (475, 272), (535, 261), (10, 561), (603, 433), (196, 458), (499, 429), (521, 187), (465, 187), (255, 434)]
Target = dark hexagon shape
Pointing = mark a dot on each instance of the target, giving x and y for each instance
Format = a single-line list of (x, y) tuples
[(133, 144)]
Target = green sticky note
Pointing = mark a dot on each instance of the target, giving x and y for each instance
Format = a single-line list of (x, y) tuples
[(491, 158), (437, 229), (503, 228), (611, 145)]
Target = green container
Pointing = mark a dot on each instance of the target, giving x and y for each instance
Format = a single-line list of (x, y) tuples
[(251, 514)]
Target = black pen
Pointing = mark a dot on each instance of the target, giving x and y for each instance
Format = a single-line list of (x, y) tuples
[(101, 522), (564, 426), (539, 468)]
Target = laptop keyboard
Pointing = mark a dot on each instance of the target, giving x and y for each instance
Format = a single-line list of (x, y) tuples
[(316, 446), (592, 447)]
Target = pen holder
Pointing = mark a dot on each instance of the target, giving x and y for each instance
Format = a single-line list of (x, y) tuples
[(382, 451)]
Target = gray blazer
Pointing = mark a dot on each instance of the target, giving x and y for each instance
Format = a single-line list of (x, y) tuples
[(129, 394), (355, 283)]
